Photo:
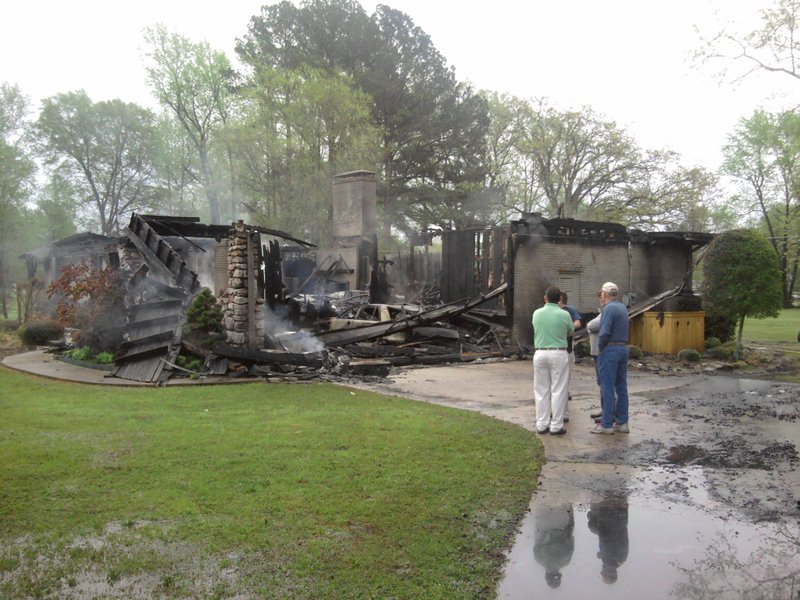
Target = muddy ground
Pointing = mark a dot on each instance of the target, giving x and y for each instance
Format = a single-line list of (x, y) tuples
[(735, 427)]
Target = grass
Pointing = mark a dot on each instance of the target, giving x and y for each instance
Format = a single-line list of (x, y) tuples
[(779, 337), (784, 328), (272, 491)]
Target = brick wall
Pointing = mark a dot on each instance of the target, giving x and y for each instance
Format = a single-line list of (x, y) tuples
[(580, 267)]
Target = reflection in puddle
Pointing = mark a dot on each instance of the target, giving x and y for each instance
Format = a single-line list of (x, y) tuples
[(618, 546), (554, 540), (608, 518)]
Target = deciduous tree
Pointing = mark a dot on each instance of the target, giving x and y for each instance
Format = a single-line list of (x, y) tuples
[(581, 161), (432, 127), (295, 132), (194, 82), (763, 154), (741, 278), (774, 47), (17, 170), (104, 150)]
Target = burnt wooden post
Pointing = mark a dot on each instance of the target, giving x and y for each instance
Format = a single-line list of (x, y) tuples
[(252, 292)]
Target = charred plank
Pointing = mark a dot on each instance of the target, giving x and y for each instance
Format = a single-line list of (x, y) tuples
[(269, 357)]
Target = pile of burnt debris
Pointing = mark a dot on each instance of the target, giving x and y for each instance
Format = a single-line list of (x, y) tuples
[(350, 337)]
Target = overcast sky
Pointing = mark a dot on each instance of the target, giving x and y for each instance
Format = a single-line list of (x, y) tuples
[(627, 59)]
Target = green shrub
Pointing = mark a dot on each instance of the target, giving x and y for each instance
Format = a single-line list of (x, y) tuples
[(712, 342), (722, 352), (9, 325), (83, 353), (720, 327), (104, 358), (635, 352), (205, 313), (204, 320), (191, 363), (42, 331), (689, 355)]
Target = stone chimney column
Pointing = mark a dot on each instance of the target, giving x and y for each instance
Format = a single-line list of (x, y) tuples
[(243, 307)]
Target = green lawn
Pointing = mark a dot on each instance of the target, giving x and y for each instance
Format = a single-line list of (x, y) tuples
[(784, 328), (261, 490)]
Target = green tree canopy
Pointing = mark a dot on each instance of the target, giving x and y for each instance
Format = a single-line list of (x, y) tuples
[(773, 47), (17, 170), (741, 277), (104, 150), (578, 165), (294, 133), (432, 127), (194, 82), (763, 155)]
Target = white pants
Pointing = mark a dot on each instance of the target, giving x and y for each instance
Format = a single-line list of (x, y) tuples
[(550, 381)]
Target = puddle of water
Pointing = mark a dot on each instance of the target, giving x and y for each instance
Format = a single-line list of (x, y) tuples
[(637, 546)]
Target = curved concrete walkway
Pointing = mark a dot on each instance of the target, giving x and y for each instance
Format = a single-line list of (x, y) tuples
[(45, 364)]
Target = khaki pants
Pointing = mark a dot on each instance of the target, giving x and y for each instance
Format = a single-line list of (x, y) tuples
[(550, 381)]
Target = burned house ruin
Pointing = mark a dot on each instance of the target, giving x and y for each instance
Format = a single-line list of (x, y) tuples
[(168, 260), (578, 256), (489, 279)]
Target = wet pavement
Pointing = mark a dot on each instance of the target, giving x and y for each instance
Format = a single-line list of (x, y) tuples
[(701, 500)]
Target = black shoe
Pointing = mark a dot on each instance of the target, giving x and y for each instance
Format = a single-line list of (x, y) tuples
[(596, 413), (543, 432), (566, 419), (561, 431)]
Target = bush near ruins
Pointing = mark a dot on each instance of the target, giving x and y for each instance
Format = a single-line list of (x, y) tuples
[(41, 331), (204, 320), (90, 300)]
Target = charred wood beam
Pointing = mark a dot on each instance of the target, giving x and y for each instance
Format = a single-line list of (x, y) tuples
[(269, 357), (147, 346), (343, 337), (313, 274), (180, 235)]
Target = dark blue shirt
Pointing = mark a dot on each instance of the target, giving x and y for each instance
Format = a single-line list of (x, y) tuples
[(613, 324), (574, 313)]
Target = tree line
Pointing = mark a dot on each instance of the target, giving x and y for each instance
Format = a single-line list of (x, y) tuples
[(326, 88)]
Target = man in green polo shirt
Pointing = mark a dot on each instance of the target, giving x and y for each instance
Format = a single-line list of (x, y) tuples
[(551, 326)]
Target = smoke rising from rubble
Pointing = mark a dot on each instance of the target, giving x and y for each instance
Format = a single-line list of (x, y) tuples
[(292, 338), (198, 261)]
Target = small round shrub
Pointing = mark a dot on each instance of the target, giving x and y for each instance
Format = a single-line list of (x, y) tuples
[(712, 342), (635, 352), (42, 331), (581, 349), (722, 352), (689, 355), (9, 325)]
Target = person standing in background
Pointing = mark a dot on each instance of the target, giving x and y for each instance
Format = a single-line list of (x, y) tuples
[(575, 315), (593, 328)]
